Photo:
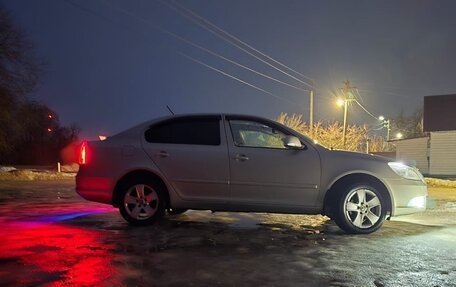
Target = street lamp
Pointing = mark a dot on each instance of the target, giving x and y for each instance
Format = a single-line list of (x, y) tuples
[(399, 135), (340, 102)]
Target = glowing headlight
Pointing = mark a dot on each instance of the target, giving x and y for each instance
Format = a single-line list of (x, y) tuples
[(406, 171), (417, 202)]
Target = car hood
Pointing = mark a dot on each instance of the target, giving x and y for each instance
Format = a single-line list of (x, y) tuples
[(357, 156), (336, 162)]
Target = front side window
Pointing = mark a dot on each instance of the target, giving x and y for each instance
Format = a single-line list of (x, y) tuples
[(192, 131), (255, 134)]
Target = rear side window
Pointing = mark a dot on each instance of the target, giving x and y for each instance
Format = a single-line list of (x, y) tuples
[(192, 131)]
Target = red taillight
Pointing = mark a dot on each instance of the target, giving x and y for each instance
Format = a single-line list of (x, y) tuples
[(83, 153)]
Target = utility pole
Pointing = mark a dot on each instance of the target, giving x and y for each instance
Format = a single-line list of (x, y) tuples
[(388, 129), (311, 106), (348, 97), (311, 113), (345, 121), (386, 124)]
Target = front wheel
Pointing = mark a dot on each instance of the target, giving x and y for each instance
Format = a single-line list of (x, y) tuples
[(142, 202), (361, 209)]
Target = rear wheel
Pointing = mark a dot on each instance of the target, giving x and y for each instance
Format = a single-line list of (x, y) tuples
[(361, 208), (142, 202)]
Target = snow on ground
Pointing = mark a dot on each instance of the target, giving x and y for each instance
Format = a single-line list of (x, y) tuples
[(436, 182), (28, 175)]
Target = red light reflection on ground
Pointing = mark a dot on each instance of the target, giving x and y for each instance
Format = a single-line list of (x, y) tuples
[(53, 254)]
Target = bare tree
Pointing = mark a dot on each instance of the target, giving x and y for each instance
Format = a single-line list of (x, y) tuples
[(30, 132), (409, 126), (19, 69), (329, 134), (19, 73)]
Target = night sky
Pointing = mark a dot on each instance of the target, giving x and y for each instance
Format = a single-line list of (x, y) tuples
[(108, 67)]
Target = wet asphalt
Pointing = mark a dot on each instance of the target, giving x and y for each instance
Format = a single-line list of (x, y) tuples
[(51, 237)]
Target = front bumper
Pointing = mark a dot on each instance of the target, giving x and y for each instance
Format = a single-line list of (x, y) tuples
[(408, 196)]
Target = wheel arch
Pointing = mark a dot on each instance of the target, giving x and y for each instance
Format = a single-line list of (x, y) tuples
[(138, 174), (337, 185)]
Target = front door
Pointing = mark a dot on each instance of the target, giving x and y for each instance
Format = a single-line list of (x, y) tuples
[(267, 173)]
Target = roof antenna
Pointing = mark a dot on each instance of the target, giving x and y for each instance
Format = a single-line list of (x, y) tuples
[(169, 109)]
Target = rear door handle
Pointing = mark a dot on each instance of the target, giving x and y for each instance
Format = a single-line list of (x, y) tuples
[(241, 157), (162, 153)]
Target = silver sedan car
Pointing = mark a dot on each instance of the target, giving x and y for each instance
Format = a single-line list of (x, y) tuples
[(246, 164)]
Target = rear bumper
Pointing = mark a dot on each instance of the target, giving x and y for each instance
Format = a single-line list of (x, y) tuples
[(409, 196), (98, 189)]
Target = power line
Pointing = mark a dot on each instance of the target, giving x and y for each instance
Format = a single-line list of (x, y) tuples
[(357, 101), (230, 39), (199, 47), (206, 49), (231, 61), (369, 113), (161, 29), (237, 39), (235, 78), (359, 95)]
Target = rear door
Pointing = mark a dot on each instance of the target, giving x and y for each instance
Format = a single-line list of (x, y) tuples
[(192, 154), (265, 172)]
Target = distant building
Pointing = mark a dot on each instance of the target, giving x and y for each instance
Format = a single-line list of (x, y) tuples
[(439, 113), (434, 154), (416, 150)]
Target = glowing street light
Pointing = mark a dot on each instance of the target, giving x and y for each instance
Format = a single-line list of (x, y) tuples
[(399, 135), (381, 118), (340, 102)]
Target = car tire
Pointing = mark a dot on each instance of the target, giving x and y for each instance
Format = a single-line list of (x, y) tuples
[(360, 208), (176, 211), (142, 202)]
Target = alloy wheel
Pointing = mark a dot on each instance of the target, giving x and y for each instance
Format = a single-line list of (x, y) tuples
[(362, 208), (141, 202)]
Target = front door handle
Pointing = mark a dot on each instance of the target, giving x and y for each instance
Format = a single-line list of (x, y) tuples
[(241, 157), (162, 153)]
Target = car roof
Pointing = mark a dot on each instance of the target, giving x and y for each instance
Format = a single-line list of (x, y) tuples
[(209, 115)]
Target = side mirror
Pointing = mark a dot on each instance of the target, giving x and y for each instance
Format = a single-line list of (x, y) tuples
[(292, 142)]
